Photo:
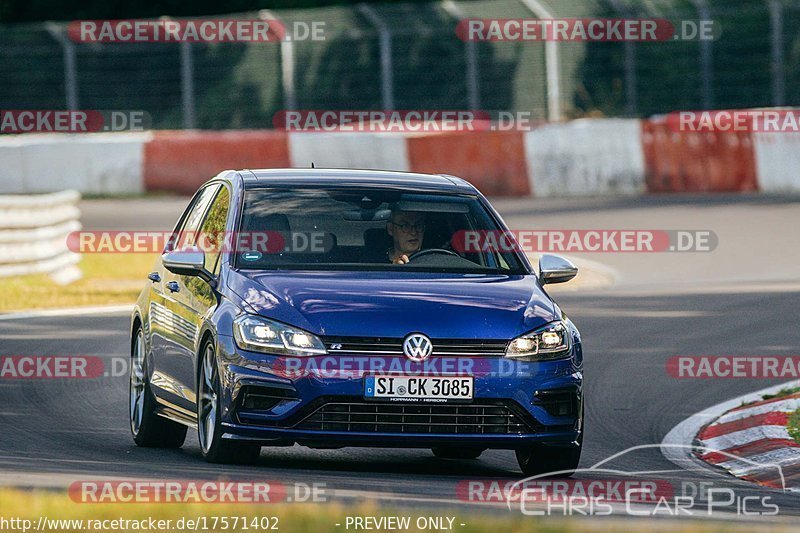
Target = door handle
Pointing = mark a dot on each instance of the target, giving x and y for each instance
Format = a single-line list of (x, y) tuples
[(154, 277), (173, 286)]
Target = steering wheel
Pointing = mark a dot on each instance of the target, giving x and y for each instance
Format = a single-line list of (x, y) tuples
[(423, 253)]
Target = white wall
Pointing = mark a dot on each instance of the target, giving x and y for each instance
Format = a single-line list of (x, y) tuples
[(586, 157), (12, 164), (777, 161), (348, 150), (102, 163)]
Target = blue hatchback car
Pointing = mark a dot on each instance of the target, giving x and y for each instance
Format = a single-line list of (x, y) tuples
[(334, 308)]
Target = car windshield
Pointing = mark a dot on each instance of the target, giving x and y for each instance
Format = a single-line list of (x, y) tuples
[(367, 229)]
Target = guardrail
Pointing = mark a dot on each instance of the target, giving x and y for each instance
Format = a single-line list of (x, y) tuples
[(33, 235)]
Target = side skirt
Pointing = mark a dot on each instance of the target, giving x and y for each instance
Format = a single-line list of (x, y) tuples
[(175, 413)]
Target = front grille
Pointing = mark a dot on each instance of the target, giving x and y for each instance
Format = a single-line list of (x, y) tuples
[(498, 418), (394, 346)]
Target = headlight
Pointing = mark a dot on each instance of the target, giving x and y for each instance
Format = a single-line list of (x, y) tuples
[(262, 335), (548, 342)]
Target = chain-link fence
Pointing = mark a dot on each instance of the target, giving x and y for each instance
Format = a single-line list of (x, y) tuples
[(408, 56)]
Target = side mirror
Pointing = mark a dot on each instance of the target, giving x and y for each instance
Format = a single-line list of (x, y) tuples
[(556, 269), (187, 262)]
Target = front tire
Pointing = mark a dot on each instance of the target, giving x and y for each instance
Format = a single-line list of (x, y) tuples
[(209, 424), (148, 429), (562, 461), (538, 460)]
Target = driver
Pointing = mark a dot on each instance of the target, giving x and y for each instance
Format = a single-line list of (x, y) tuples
[(407, 229)]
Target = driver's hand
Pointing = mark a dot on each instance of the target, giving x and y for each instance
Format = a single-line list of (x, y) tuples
[(401, 260)]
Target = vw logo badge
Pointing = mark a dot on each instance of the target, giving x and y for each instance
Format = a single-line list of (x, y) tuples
[(417, 347)]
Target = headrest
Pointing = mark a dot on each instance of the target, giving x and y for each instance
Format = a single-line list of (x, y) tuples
[(271, 222), (377, 238)]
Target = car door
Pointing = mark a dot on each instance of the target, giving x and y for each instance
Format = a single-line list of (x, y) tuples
[(195, 298), (173, 373), (160, 322)]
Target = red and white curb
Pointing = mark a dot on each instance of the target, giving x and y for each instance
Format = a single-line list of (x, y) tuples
[(758, 434), (746, 436)]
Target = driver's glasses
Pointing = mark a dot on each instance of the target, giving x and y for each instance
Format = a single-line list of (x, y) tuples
[(419, 227)]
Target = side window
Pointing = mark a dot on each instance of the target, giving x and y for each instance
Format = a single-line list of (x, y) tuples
[(212, 233), (187, 233)]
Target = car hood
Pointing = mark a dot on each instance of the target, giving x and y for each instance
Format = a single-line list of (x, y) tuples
[(389, 304)]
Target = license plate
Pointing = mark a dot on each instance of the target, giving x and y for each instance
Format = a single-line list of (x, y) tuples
[(418, 388)]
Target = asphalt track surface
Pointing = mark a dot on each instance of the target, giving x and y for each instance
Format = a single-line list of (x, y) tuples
[(741, 298)]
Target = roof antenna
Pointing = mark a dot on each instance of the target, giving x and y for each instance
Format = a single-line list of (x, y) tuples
[(312, 164)]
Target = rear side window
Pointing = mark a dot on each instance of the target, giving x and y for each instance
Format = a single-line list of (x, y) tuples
[(212, 232), (186, 234)]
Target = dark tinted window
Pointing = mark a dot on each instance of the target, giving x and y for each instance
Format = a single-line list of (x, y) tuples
[(186, 234), (348, 229), (213, 229)]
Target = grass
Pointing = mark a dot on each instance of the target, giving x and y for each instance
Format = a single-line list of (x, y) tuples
[(31, 505), (782, 393), (793, 426), (107, 279)]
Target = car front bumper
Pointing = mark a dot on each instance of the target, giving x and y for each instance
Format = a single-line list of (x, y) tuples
[(267, 400)]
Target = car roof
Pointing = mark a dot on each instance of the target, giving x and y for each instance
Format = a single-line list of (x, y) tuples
[(341, 177)]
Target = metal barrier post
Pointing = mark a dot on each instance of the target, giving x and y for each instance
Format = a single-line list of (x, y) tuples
[(631, 93), (187, 85), (287, 63), (550, 62), (387, 82), (471, 52), (778, 72), (629, 49), (706, 64), (70, 70)]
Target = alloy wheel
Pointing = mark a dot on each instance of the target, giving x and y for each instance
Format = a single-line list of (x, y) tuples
[(137, 384), (207, 408)]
